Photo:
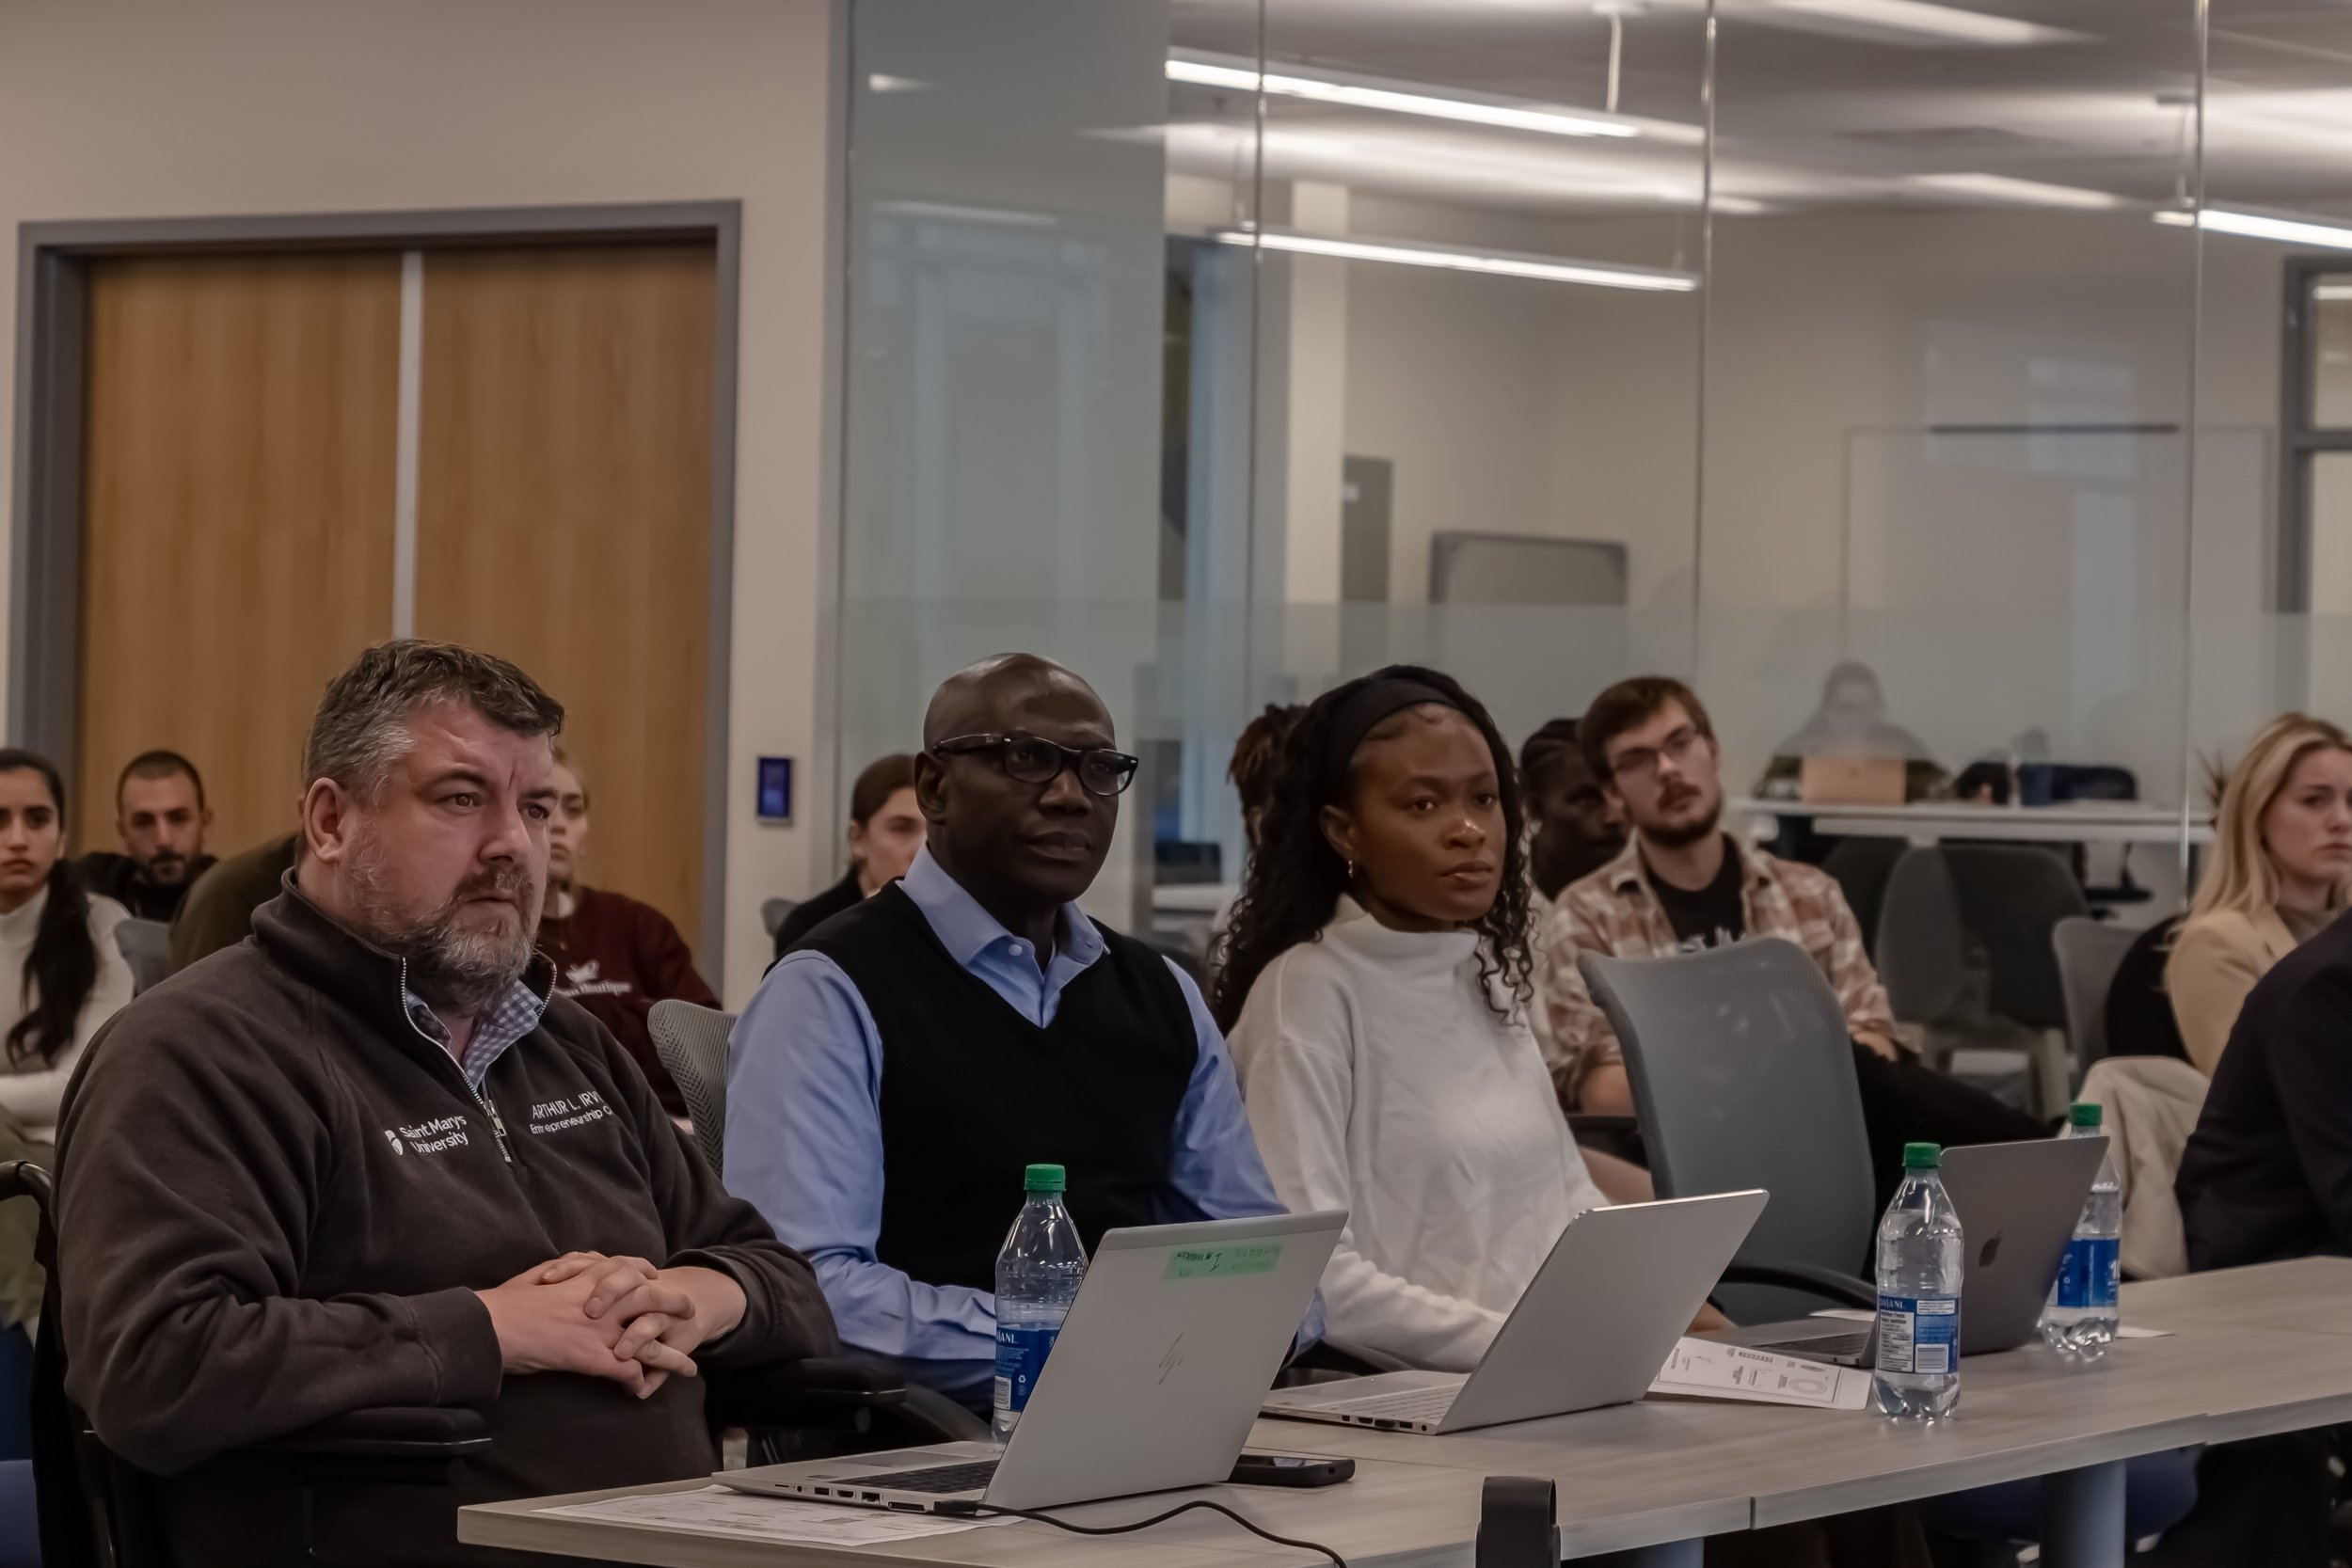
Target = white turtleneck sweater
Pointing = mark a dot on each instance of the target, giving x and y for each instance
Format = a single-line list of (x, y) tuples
[(1379, 1081), (30, 1092)]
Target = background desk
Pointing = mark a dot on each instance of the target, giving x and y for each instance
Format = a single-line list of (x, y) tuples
[(1935, 821), (2254, 1352)]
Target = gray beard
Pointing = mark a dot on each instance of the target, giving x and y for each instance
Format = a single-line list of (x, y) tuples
[(453, 970)]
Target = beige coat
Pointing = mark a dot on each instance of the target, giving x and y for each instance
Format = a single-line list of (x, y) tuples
[(2148, 1107), (2214, 962)]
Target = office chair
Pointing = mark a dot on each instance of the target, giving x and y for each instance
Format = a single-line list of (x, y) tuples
[(772, 913), (1743, 1077), (1925, 960), (2089, 953), (145, 946), (2011, 897), (1862, 868), (691, 1042)]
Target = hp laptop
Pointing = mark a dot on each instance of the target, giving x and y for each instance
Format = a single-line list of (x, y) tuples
[(1152, 1385), (2018, 1204), (1592, 1328)]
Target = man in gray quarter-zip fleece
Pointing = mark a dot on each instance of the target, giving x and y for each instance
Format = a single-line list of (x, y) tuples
[(362, 1159)]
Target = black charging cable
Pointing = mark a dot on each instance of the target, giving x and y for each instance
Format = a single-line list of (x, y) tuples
[(1203, 1503)]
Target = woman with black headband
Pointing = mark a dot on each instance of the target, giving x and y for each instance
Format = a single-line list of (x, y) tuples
[(1374, 986)]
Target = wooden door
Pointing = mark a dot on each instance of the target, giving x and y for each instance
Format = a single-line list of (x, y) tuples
[(564, 520), (237, 547)]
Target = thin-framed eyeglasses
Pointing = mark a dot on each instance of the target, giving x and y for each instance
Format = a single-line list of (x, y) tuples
[(1640, 762), (1034, 760)]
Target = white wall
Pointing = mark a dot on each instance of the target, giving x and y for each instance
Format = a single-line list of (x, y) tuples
[(158, 108)]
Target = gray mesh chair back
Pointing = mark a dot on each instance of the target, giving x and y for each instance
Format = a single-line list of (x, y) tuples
[(1922, 947), (1743, 1077), (2012, 898), (2088, 953), (772, 913), (691, 1042), (145, 946)]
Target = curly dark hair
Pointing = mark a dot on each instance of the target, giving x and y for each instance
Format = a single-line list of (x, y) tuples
[(1295, 877)]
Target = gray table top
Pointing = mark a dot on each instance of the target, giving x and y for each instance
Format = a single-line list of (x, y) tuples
[(2252, 1351)]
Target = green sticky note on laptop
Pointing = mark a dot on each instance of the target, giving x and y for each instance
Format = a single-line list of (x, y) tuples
[(1222, 1262)]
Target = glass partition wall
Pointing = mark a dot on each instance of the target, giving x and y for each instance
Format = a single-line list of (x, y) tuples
[(1223, 349)]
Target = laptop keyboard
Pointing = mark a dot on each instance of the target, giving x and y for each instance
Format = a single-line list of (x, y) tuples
[(1822, 1345), (937, 1478), (1419, 1404)]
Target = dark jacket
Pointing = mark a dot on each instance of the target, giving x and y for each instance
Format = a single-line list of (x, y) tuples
[(2267, 1175), (125, 880), (809, 913), (276, 1200), (218, 910)]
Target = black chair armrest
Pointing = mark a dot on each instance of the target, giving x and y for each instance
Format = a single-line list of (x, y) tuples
[(1843, 1288), (410, 1445), (1620, 1136), (836, 1392)]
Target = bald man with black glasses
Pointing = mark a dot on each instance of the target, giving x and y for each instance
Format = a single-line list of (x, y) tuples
[(900, 1067)]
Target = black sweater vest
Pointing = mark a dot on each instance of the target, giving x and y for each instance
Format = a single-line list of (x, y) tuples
[(971, 1092)]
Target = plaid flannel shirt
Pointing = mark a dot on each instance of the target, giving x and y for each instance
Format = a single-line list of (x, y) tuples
[(1613, 912)]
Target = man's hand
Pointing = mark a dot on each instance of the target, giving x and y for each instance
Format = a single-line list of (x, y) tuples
[(679, 1308), (1878, 1044), (544, 1321), (1708, 1319)]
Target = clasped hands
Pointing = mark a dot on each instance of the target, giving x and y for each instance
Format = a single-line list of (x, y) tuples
[(617, 1318)]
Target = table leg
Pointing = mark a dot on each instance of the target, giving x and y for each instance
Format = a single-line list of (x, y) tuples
[(2082, 1517)]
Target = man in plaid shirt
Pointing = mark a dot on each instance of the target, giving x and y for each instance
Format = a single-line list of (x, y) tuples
[(1682, 884)]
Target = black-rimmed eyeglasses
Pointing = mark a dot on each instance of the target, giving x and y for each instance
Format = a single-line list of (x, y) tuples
[(1036, 761)]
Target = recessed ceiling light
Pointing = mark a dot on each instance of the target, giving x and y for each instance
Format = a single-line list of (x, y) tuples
[(1404, 97), (2000, 187), (1504, 263)]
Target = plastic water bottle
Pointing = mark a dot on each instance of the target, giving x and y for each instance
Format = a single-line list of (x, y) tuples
[(2082, 1316), (1037, 1279), (1920, 1260)]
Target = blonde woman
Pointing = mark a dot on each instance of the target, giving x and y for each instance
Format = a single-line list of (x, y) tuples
[(2280, 869)]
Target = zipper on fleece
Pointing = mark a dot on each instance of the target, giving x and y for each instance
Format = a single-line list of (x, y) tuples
[(498, 1127)]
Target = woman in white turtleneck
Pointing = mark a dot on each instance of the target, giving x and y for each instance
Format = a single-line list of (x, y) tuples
[(1374, 987), (60, 978), (60, 973)]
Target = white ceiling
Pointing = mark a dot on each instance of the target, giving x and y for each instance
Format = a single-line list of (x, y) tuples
[(1810, 109)]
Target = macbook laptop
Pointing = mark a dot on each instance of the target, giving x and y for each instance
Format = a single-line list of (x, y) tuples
[(1592, 1328), (2018, 1204), (1154, 1384), (1851, 781)]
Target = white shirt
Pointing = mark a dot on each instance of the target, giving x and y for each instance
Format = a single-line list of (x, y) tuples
[(31, 1091), (1379, 1081)]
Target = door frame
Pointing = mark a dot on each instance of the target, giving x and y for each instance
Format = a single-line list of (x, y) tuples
[(46, 508)]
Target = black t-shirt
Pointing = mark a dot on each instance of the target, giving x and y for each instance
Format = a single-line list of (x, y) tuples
[(1711, 917)]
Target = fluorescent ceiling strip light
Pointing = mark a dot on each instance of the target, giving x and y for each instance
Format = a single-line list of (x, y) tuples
[(2256, 225), (2332, 294), (1502, 263), (2000, 187), (1947, 22), (1367, 93)]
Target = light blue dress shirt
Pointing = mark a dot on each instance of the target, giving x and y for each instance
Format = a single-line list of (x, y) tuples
[(804, 1142)]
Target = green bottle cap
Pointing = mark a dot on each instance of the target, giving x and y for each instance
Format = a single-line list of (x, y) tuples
[(2083, 1115), (1922, 1156), (1045, 1179)]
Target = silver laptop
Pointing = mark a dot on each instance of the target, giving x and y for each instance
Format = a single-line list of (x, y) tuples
[(1592, 1328), (1154, 1384), (2018, 1204)]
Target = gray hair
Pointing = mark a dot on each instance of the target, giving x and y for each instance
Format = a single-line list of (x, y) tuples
[(360, 729)]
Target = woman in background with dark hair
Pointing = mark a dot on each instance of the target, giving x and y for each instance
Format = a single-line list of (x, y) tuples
[(61, 977), (1374, 986)]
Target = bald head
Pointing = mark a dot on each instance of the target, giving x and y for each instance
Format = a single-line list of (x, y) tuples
[(976, 699), (1022, 849)]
